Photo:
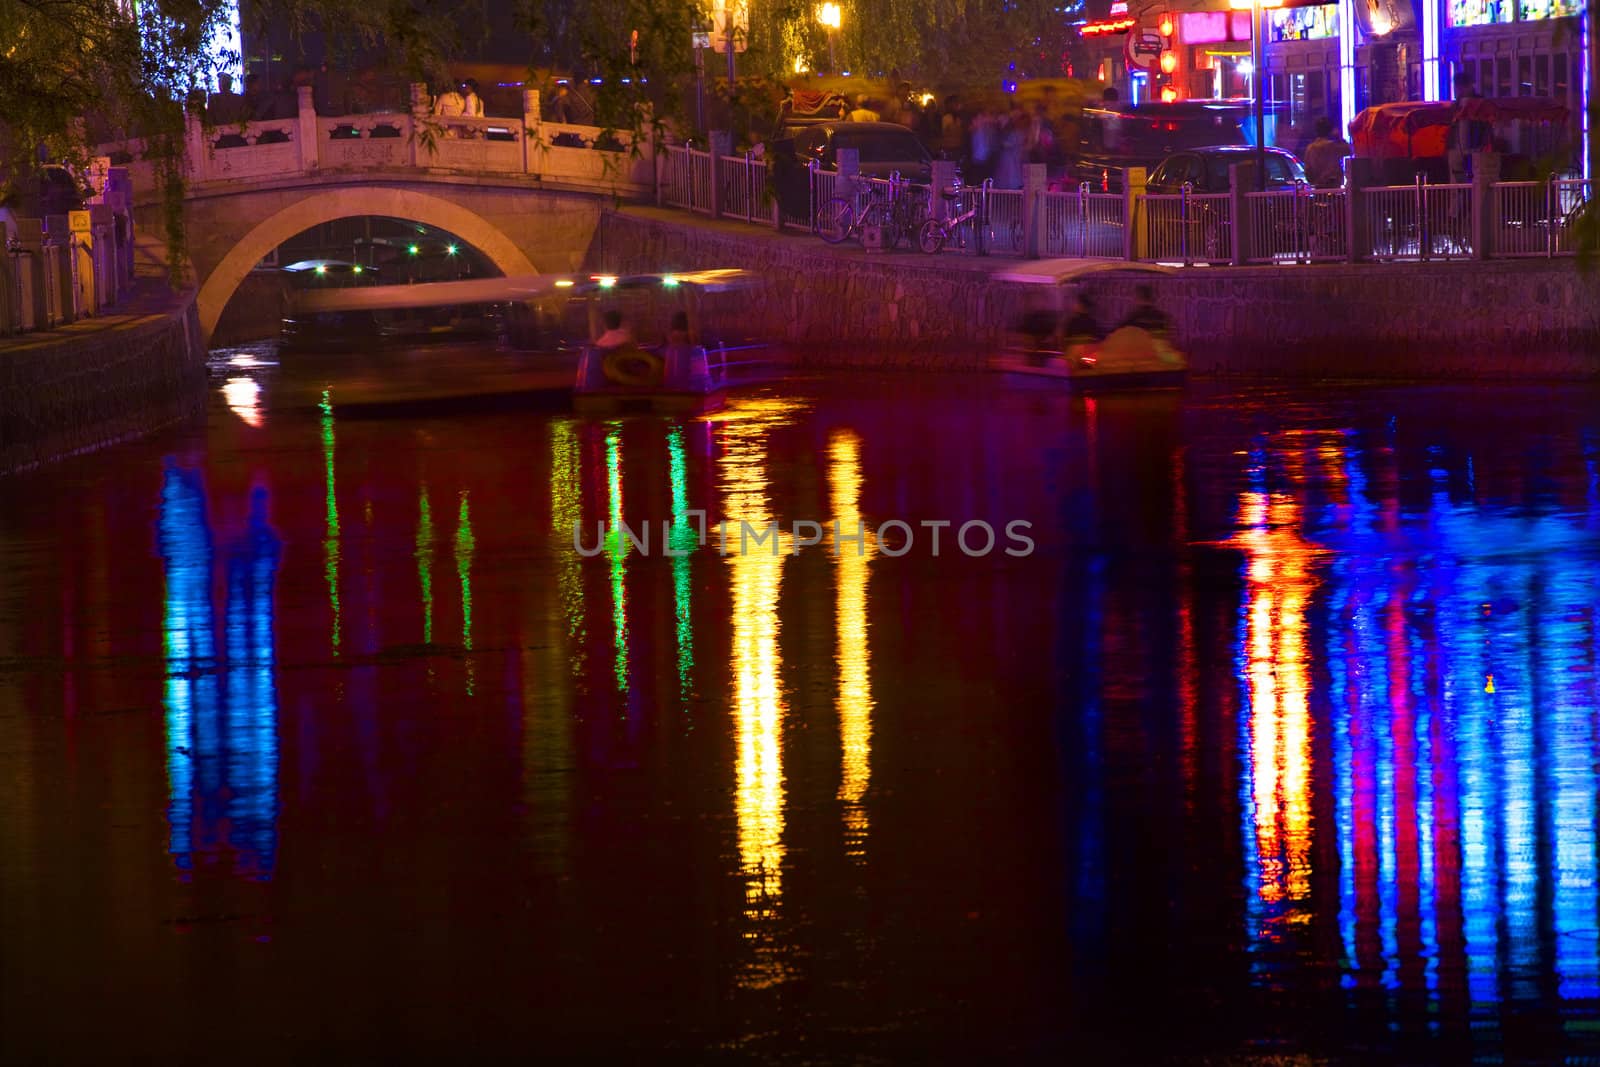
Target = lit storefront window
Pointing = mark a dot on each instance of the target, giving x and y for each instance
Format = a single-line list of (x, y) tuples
[(1304, 23), (1551, 9), (1482, 12)]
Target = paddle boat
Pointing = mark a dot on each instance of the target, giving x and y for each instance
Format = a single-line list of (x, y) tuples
[(675, 375), (1129, 357)]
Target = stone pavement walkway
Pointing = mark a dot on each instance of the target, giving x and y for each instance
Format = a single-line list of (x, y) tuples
[(150, 299)]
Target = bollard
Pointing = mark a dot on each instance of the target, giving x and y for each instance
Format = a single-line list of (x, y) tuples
[(1135, 239)]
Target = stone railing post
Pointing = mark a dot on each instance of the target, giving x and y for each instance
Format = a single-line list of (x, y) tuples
[(1034, 182), (197, 152), (945, 176), (103, 230), (32, 295), (1239, 211), (532, 132), (1485, 172), (1133, 183), (421, 108), (721, 145), (305, 133), (9, 312), (1358, 175)]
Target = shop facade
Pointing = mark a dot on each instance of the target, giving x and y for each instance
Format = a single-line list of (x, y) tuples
[(1332, 60)]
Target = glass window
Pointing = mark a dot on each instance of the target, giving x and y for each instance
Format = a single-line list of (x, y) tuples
[(1551, 9), (1558, 87), (1541, 75), (1303, 23), (1524, 75), (1480, 12), (1502, 77)]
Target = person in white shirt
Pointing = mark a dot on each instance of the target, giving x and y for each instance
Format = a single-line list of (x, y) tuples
[(617, 333), (471, 102), (863, 113)]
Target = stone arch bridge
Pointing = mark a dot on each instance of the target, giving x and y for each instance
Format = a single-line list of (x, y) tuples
[(525, 193)]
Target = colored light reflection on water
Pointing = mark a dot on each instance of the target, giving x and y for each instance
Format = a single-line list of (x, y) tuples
[(616, 552), (756, 576), (1285, 736), (1459, 643), (684, 540), (1276, 742), (854, 654), (221, 711)]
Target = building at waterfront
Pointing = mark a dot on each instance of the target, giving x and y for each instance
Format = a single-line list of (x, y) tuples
[(1334, 59)]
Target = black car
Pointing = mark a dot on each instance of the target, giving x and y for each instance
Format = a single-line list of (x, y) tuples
[(1142, 135), (1206, 169), (883, 147)]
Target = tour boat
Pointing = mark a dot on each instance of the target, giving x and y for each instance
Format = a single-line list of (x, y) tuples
[(677, 379), (673, 377), (1130, 358)]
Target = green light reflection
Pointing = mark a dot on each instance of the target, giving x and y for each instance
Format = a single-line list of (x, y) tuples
[(330, 543), (684, 539)]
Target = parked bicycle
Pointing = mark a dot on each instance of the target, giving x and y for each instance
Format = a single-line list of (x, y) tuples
[(934, 234), (897, 208)]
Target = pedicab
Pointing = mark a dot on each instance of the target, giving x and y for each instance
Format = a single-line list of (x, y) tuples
[(1412, 137)]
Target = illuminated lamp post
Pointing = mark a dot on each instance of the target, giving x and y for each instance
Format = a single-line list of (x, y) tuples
[(830, 16), (1256, 58)]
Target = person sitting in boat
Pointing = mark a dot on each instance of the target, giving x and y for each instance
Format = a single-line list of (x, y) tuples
[(1082, 328), (1146, 316), (678, 331), (617, 334), (623, 362), (1038, 325)]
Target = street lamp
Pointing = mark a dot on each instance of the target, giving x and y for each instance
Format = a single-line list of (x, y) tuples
[(830, 16), (1255, 7)]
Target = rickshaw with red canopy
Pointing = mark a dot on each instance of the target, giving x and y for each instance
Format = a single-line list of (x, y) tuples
[(1411, 137)]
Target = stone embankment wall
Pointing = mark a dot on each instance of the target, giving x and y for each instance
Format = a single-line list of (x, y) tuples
[(1487, 320), (67, 392)]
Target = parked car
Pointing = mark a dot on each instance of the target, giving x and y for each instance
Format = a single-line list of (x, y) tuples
[(1206, 169), (1142, 135), (884, 147)]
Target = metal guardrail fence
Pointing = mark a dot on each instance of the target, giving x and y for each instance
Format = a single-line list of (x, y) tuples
[(1185, 228), (1419, 221), (1299, 225), (1284, 226)]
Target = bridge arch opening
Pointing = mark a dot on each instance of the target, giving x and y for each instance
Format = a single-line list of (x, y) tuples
[(329, 205)]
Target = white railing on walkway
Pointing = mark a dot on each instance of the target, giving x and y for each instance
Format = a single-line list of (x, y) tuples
[(1419, 221), (63, 268), (1298, 225), (1283, 226), (1537, 218), (1185, 228)]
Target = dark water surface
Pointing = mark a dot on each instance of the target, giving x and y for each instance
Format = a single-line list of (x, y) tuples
[(317, 736)]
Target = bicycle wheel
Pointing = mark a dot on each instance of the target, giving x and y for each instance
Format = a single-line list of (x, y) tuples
[(835, 219), (931, 236)]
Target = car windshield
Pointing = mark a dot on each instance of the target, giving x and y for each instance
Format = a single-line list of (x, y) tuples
[(882, 146), (1281, 170), (1153, 135)]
